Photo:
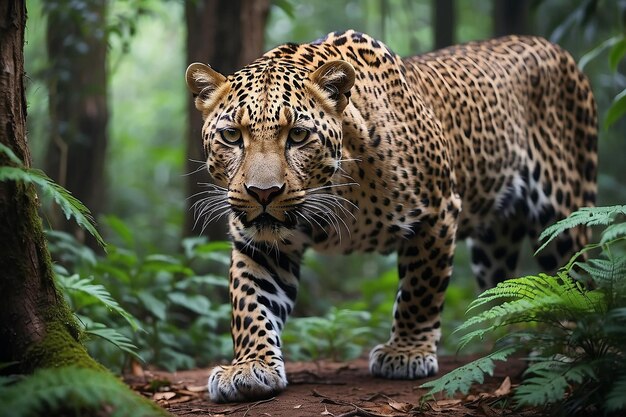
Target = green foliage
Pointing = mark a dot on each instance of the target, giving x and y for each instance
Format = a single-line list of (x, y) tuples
[(183, 317), (71, 391), (95, 291), (70, 205), (82, 292), (462, 378), (549, 380), (339, 335), (590, 216), (578, 334), (543, 298)]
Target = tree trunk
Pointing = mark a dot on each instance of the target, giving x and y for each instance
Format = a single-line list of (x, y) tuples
[(77, 49), (510, 17), (226, 34), (37, 328), (26, 281), (444, 17)]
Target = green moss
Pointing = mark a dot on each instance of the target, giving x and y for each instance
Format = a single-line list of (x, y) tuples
[(59, 348)]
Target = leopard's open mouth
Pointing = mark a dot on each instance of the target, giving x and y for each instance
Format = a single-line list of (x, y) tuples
[(265, 225)]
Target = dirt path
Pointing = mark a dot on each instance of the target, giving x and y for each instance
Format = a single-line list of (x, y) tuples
[(333, 389)]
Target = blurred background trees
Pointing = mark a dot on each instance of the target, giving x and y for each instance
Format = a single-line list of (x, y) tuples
[(229, 35), (111, 120), (76, 79)]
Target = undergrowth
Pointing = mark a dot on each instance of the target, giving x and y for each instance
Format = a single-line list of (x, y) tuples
[(172, 317), (71, 391), (574, 321)]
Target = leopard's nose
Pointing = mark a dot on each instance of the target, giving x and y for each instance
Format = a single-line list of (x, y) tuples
[(265, 195)]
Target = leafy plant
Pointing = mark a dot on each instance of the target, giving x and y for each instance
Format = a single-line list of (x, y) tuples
[(185, 315), (70, 205), (578, 335), (82, 292), (339, 335), (47, 391)]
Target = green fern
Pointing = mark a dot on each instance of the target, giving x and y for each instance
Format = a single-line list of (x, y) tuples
[(70, 205), (72, 391), (586, 216), (98, 292), (462, 378), (578, 335), (616, 399), (114, 337), (605, 272), (549, 381), (541, 298), (613, 232)]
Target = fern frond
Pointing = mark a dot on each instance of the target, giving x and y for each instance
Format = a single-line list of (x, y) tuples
[(550, 381), (613, 232), (468, 337), (115, 338), (587, 216), (10, 154), (462, 378), (73, 391), (70, 205), (616, 399), (541, 298), (97, 291), (606, 272)]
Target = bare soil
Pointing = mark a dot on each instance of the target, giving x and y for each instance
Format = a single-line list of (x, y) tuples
[(344, 389)]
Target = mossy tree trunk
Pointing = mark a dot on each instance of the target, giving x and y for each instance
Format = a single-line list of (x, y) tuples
[(37, 329), (226, 34), (26, 283)]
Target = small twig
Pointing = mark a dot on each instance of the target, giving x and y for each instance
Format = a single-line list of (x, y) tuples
[(352, 413), (246, 407)]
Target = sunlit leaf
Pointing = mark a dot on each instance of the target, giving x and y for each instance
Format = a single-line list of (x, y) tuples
[(121, 229), (616, 53), (152, 304), (616, 110), (595, 52)]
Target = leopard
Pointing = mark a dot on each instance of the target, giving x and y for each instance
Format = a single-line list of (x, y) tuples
[(340, 145)]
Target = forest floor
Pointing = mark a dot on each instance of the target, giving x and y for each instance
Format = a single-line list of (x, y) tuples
[(325, 388)]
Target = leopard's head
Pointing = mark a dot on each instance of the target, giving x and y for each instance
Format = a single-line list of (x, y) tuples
[(272, 135)]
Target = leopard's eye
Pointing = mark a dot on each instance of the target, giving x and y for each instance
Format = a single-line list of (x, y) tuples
[(231, 136), (298, 135)]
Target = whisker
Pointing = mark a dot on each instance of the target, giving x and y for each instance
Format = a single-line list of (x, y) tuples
[(202, 167), (324, 187), (334, 200)]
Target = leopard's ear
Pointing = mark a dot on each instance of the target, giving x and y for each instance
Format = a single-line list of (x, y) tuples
[(203, 81), (335, 78)]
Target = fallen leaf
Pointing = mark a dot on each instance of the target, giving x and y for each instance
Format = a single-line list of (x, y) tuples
[(187, 392), (442, 405), (136, 369), (163, 395), (297, 406), (400, 406), (179, 400), (196, 388), (504, 388)]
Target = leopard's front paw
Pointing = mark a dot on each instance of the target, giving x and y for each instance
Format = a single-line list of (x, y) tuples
[(394, 362), (246, 381)]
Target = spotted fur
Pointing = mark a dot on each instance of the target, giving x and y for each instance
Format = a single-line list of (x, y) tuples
[(340, 145)]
